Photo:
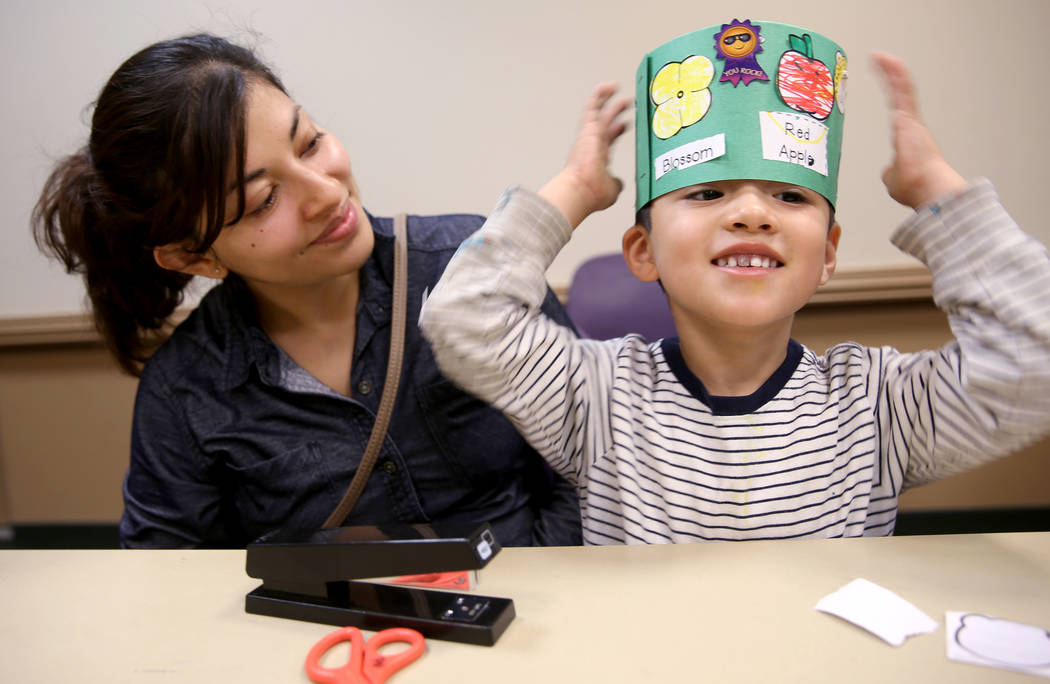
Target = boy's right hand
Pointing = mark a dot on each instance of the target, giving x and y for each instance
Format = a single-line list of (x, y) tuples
[(585, 185)]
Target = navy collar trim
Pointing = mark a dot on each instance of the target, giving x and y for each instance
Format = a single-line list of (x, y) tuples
[(731, 406)]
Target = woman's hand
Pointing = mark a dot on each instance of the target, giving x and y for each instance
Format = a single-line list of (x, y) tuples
[(918, 173), (585, 185)]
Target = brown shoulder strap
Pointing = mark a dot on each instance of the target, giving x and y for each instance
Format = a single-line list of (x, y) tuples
[(393, 377)]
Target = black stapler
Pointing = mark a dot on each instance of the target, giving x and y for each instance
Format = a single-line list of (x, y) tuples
[(313, 576)]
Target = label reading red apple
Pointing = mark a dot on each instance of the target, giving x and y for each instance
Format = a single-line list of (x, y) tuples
[(796, 139), (805, 83)]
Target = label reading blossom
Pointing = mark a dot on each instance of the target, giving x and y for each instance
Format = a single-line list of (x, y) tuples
[(690, 154), (796, 139)]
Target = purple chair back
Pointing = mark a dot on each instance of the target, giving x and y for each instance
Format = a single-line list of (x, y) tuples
[(605, 301)]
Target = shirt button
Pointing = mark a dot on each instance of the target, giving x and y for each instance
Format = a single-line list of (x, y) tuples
[(390, 467), (364, 387)]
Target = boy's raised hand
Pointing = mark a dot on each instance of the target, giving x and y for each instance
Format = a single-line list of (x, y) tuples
[(918, 174), (585, 184)]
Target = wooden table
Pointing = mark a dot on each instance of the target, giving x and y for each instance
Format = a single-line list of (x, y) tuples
[(720, 612)]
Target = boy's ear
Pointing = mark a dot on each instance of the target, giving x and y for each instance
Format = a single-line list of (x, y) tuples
[(638, 254), (175, 257), (831, 252)]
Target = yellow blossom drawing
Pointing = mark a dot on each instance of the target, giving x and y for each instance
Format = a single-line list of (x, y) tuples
[(679, 91)]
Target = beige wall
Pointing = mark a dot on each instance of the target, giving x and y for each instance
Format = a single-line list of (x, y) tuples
[(65, 416), (442, 104)]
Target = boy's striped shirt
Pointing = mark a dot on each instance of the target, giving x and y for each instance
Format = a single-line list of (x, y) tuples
[(824, 448)]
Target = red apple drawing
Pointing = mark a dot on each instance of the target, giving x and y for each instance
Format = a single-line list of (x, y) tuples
[(805, 83)]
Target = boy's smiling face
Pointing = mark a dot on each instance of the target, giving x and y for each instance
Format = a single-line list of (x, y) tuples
[(736, 255)]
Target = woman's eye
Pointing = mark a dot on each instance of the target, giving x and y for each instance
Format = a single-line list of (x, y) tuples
[(314, 143), (270, 200)]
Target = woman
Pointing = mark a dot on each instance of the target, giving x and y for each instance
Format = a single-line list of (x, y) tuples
[(254, 414)]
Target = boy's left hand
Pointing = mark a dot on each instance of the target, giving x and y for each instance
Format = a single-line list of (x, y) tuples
[(585, 185), (918, 174)]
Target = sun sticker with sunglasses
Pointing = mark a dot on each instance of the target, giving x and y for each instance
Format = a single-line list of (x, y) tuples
[(738, 43)]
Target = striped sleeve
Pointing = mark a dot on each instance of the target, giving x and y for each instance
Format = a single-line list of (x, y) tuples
[(986, 393), (490, 337)]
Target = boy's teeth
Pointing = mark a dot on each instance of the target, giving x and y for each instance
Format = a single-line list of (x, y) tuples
[(745, 260)]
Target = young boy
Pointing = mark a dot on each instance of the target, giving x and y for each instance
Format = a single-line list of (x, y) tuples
[(733, 430)]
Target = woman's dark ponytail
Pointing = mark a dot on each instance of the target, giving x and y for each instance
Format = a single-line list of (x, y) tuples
[(131, 297)]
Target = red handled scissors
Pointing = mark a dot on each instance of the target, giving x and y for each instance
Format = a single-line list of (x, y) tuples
[(366, 665)]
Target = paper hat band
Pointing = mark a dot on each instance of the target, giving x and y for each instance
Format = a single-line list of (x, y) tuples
[(741, 100)]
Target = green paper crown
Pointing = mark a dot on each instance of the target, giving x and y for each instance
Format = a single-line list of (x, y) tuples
[(741, 100)]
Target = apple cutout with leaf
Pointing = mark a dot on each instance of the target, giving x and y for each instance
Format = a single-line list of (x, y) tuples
[(805, 83)]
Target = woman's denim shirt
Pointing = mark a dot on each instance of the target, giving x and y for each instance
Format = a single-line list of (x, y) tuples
[(231, 439)]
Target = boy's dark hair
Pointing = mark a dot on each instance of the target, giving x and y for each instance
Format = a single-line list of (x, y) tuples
[(642, 217), (156, 170)]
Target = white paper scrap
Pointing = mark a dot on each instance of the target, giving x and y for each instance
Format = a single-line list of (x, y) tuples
[(994, 642), (877, 610)]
